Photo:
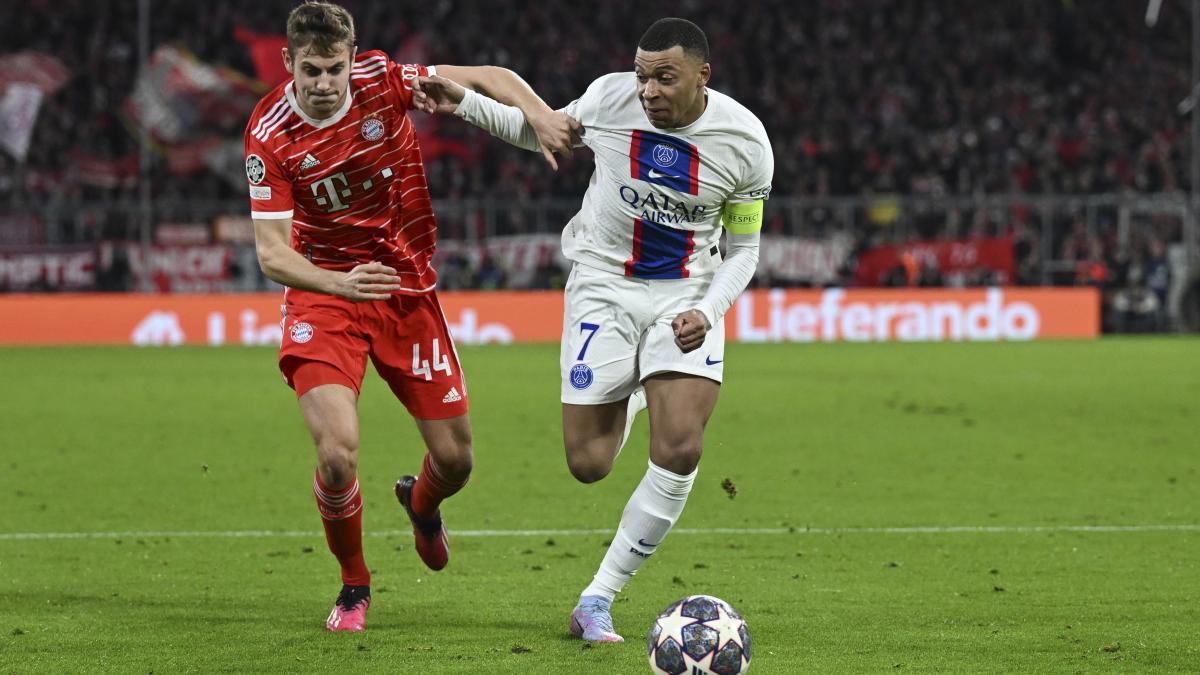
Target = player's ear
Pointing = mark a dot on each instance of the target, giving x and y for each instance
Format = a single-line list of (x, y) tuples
[(287, 58), (705, 73)]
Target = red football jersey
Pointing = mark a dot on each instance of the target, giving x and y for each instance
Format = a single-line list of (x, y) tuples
[(353, 184)]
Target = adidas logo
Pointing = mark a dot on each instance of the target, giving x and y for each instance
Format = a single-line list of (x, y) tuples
[(452, 396), (309, 162)]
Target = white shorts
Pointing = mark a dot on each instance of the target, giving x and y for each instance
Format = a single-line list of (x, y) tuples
[(617, 332)]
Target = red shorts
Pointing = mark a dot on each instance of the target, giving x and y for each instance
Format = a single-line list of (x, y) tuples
[(327, 339)]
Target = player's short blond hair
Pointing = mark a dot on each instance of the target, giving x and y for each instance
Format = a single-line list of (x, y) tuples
[(320, 27)]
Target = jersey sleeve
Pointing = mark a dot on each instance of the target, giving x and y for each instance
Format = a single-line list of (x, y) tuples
[(588, 108), (756, 182), (401, 77), (270, 187)]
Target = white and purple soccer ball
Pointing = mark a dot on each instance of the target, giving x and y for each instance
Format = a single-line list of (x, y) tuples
[(699, 635)]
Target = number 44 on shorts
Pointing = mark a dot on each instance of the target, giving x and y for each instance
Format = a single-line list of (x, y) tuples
[(441, 362)]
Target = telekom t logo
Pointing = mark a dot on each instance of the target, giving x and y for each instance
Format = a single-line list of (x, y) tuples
[(333, 191), (336, 188)]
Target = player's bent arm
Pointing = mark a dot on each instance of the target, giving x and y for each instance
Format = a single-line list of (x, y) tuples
[(743, 222), (284, 265), (500, 84)]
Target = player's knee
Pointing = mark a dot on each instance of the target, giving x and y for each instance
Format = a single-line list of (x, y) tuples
[(452, 453), (338, 463), (455, 464), (587, 467), (680, 456)]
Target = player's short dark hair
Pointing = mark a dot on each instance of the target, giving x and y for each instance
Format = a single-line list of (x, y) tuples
[(319, 26), (667, 33)]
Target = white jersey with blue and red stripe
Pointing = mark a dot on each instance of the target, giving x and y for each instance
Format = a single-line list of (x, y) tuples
[(653, 206)]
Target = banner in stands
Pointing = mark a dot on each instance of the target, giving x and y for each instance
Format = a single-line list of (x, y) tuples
[(47, 268), (123, 265), (173, 269), (503, 317), (989, 257), (526, 258), (794, 259)]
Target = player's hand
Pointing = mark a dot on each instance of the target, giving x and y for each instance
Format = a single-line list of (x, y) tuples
[(369, 281), (690, 328), (557, 132), (435, 94)]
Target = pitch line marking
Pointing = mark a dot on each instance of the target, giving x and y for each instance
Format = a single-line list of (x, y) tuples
[(951, 529)]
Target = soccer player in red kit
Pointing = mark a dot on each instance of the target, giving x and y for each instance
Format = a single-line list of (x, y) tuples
[(343, 219)]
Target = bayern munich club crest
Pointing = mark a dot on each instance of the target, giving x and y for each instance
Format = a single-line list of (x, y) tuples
[(372, 129), (581, 376), (255, 169), (301, 332), (665, 156)]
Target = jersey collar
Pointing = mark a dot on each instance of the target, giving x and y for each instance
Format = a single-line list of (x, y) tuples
[(290, 93)]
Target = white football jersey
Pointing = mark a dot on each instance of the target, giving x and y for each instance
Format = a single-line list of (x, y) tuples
[(653, 206)]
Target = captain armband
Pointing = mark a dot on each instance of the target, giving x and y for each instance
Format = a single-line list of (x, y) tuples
[(743, 218)]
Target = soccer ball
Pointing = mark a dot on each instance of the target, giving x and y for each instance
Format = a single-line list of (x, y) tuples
[(699, 635)]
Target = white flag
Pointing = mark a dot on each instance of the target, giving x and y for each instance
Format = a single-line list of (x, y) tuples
[(18, 114)]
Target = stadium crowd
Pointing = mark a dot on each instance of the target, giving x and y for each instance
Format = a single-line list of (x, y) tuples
[(866, 96), (860, 97)]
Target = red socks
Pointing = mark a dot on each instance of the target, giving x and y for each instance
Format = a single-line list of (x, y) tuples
[(431, 489), (341, 513)]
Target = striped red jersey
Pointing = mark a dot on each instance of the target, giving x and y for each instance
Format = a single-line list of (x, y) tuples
[(353, 184)]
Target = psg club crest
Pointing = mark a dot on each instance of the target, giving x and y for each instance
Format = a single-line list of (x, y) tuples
[(581, 376), (255, 169), (372, 129), (301, 332), (665, 156)]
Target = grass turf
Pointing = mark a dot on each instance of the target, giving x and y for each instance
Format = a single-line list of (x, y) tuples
[(814, 437)]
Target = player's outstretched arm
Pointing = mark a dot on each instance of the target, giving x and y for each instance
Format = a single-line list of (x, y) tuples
[(505, 95), (283, 265)]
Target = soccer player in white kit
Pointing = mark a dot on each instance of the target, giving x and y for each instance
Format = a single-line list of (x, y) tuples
[(675, 163)]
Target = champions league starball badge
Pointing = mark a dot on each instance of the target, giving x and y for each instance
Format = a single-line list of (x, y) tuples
[(581, 376), (255, 169)]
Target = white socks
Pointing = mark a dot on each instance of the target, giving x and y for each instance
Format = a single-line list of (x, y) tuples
[(648, 517)]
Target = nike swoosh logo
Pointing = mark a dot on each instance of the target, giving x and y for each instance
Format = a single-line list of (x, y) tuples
[(708, 361), (642, 542), (655, 174)]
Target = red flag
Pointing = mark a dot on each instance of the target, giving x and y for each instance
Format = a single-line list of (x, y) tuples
[(265, 52)]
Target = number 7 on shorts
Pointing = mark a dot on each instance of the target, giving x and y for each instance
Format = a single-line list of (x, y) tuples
[(585, 327)]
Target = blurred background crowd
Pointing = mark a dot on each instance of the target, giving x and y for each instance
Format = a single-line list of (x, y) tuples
[(1048, 126)]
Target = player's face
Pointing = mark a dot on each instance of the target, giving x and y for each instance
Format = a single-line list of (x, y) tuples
[(670, 86), (322, 81)]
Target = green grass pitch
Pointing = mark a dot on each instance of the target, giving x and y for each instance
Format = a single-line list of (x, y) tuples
[(922, 508)]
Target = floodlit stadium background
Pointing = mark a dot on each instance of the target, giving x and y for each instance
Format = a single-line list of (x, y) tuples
[(918, 145)]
